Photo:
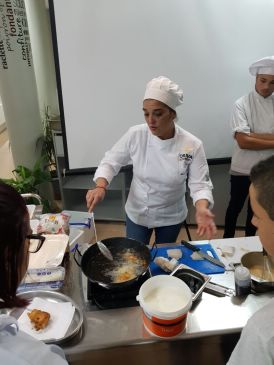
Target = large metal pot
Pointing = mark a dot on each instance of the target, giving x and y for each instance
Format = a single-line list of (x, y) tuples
[(254, 261), (97, 268)]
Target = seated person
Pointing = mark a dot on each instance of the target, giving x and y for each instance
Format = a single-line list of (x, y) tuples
[(256, 345), (17, 347)]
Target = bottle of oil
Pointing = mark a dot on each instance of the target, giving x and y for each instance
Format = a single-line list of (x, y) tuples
[(242, 281)]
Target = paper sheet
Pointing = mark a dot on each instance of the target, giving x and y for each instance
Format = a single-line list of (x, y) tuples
[(61, 315)]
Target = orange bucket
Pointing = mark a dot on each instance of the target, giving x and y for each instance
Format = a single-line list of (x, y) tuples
[(165, 301)]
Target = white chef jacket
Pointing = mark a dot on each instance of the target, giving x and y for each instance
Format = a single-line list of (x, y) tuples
[(256, 344), (160, 169), (251, 113), (18, 348)]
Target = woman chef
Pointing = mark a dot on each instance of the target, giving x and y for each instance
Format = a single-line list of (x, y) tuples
[(164, 158)]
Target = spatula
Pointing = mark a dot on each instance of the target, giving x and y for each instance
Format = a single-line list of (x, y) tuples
[(102, 247)]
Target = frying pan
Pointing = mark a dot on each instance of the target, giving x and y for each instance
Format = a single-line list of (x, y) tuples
[(96, 267), (251, 259)]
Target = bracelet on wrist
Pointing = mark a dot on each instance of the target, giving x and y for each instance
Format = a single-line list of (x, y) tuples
[(100, 187)]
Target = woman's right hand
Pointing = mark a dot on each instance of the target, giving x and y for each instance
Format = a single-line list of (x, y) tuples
[(94, 196)]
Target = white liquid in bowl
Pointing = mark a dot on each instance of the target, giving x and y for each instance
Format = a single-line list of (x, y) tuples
[(165, 299)]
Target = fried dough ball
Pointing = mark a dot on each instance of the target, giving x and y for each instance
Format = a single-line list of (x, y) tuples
[(39, 319)]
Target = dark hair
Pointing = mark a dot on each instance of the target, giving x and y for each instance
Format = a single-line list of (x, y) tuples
[(13, 232), (262, 178), (168, 107)]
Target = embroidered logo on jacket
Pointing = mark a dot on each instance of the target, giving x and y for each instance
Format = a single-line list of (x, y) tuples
[(183, 156)]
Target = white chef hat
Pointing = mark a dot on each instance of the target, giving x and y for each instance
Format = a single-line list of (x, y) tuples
[(164, 90), (264, 66)]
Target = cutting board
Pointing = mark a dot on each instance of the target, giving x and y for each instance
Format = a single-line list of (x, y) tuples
[(203, 266)]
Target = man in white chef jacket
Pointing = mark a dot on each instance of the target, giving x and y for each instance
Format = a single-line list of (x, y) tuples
[(256, 344), (252, 124), (164, 156)]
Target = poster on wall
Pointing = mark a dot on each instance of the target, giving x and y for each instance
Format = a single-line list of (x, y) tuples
[(17, 82), (14, 34)]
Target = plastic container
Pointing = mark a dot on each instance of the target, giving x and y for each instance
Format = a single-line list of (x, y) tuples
[(43, 279), (75, 238), (195, 280), (83, 221), (165, 301), (31, 209), (242, 281)]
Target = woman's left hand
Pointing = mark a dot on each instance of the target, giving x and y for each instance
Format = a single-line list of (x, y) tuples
[(205, 222)]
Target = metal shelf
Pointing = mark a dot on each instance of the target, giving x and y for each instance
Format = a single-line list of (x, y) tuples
[(111, 208), (86, 182), (74, 187)]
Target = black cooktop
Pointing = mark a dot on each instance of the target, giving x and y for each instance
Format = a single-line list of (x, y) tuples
[(125, 296), (115, 298)]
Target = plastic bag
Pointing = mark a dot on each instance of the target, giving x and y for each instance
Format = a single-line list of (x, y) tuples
[(54, 223), (84, 222), (51, 278)]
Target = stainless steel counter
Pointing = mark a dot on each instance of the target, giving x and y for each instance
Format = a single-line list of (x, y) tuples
[(213, 323)]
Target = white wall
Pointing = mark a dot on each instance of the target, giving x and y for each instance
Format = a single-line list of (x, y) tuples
[(109, 50)]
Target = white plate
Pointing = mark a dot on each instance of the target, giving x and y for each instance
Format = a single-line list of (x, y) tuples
[(54, 297), (51, 253)]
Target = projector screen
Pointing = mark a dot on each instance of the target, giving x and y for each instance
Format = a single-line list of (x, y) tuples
[(106, 51)]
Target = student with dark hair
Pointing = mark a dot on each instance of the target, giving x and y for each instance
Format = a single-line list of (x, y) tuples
[(256, 345), (17, 347)]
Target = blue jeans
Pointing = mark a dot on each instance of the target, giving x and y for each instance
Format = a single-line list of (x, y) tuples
[(166, 234)]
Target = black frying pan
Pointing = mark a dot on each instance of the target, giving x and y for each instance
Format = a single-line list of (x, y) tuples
[(97, 267)]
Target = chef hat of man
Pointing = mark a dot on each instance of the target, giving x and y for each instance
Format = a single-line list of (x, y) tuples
[(164, 90), (264, 66)]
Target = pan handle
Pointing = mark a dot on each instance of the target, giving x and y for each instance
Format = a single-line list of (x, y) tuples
[(79, 255), (156, 249)]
